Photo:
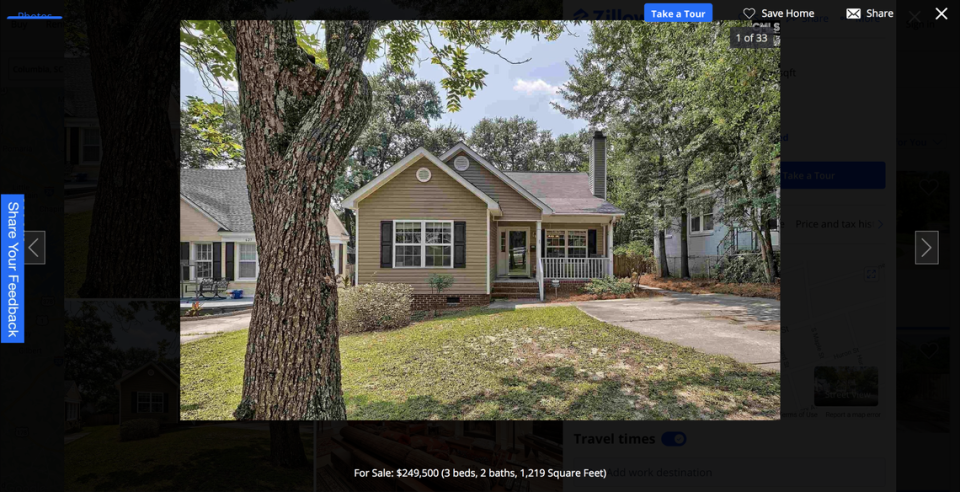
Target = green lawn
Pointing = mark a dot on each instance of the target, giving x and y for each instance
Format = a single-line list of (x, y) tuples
[(76, 233), (202, 458), (546, 363)]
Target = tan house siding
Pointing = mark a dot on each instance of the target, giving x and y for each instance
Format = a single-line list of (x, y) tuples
[(440, 198), (142, 381), (194, 226), (514, 205)]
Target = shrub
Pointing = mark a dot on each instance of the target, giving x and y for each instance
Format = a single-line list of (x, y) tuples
[(132, 430), (635, 249), (440, 281), (743, 268), (608, 285), (375, 306)]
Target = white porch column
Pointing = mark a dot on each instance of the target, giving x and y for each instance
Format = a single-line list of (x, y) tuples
[(356, 246), (539, 256), (610, 247)]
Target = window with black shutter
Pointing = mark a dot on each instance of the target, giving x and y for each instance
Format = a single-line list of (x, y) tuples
[(459, 244), (217, 271), (591, 242), (386, 244), (230, 263)]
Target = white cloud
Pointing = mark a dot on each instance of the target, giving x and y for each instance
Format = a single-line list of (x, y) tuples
[(535, 86)]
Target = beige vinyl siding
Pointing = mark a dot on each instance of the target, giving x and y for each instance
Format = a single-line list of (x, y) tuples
[(514, 205), (406, 198), (194, 226)]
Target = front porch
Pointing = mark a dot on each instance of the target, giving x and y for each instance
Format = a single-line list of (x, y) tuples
[(527, 255)]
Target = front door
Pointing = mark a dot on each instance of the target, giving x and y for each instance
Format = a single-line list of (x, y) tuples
[(517, 253)]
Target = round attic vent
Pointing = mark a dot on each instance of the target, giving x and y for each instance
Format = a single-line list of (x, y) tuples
[(423, 174), (461, 163), (149, 372)]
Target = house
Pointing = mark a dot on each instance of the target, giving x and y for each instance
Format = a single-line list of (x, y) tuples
[(216, 230), (71, 405), (81, 133), (151, 391), (709, 240), (494, 232)]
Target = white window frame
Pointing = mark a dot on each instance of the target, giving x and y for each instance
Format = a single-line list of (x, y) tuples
[(83, 144), (423, 243), (150, 401), (237, 261), (195, 272), (702, 231), (566, 243)]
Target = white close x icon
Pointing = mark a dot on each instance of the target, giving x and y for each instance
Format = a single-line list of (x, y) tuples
[(942, 13)]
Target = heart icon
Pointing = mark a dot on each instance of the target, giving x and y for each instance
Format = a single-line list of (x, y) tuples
[(749, 13), (929, 186), (929, 349)]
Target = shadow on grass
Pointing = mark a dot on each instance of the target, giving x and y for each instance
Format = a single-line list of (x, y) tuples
[(741, 393)]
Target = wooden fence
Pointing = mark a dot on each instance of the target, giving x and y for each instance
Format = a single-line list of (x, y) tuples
[(624, 266)]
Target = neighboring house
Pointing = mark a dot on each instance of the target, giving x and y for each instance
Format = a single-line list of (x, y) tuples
[(71, 405), (151, 391), (216, 229), (81, 133), (709, 240), (495, 232)]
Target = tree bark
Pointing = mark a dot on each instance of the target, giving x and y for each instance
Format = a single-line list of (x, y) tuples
[(299, 123), (286, 447), (662, 238), (684, 260), (768, 241), (132, 225)]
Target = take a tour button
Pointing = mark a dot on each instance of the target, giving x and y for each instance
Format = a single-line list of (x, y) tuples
[(833, 175), (678, 12)]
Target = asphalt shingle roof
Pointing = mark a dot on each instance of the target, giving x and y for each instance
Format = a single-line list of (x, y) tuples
[(79, 100), (222, 194), (565, 193)]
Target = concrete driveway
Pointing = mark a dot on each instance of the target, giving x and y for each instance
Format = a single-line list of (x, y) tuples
[(745, 328), (191, 331)]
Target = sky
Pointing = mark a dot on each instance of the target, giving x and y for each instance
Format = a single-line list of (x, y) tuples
[(524, 90)]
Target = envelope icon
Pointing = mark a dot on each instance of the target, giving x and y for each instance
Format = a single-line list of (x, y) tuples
[(853, 13)]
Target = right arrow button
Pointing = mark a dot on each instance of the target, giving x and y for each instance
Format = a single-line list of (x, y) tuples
[(926, 247)]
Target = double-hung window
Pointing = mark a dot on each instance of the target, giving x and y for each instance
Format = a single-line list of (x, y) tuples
[(149, 402), (701, 224), (204, 260), (566, 244), (248, 260), (423, 244)]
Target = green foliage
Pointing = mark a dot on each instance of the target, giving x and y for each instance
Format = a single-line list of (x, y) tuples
[(210, 134), (136, 429), (440, 281), (601, 287), (743, 268), (517, 144), (635, 249), (374, 306)]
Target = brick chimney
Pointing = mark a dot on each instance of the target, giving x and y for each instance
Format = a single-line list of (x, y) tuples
[(598, 165)]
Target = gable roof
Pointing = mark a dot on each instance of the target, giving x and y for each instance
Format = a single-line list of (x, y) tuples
[(460, 146), (394, 170), (69, 387), (565, 193), (78, 98), (221, 195), (162, 368)]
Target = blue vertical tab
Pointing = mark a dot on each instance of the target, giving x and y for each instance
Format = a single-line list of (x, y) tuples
[(13, 277), (678, 12)]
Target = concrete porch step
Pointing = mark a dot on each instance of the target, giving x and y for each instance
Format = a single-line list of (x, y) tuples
[(532, 288), (515, 295)]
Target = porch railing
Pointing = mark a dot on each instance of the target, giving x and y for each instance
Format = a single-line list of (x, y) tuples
[(574, 268)]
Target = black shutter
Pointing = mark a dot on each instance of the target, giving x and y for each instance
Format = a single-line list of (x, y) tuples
[(230, 263), (591, 242), (543, 243), (386, 244), (185, 256), (341, 259), (133, 402), (216, 261), (166, 402), (74, 146), (459, 244)]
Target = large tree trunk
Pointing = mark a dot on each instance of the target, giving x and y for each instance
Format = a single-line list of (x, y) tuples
[(662, 239), (132, 226), (766, 252), (768, 241), (299, 122), (286, 447), (684, 214)]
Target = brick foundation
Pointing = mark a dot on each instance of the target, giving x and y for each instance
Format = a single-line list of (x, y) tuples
[(566, 286), (423, 302)]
